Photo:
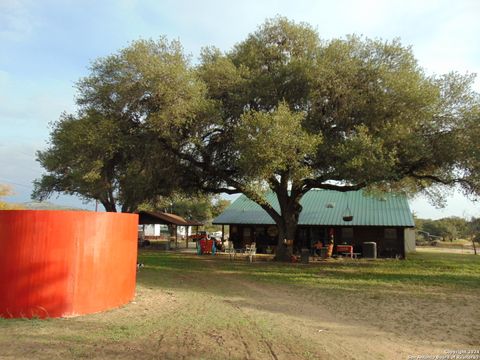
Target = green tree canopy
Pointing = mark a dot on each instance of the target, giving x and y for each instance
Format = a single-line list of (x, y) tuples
[(107, 151), (449, 228), (294, 113), (285, 111), (201, 207)]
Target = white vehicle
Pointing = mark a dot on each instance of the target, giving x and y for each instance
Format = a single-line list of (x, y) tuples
[(216, 234)]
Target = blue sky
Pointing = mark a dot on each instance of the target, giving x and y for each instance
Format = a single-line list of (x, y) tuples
[(45, 46)]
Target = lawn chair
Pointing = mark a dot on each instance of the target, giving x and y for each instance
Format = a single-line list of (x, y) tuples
[(141, 239), (230, 250), (250, 251)]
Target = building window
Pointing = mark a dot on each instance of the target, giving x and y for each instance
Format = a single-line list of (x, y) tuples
[(390, 234), (260, 231), (272, 231)]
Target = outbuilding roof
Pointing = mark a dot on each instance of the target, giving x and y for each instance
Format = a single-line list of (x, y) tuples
[(148, 217), (327, 207)]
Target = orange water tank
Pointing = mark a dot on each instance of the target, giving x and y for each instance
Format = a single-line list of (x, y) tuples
[(64, 263)]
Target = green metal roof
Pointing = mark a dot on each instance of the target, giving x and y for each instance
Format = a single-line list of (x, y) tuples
[(327, 207)]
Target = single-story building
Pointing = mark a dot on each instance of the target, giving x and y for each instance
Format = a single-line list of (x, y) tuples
[(173, 221), (351, 217)]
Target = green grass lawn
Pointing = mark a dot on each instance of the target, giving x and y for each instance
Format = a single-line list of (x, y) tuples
[(421, 271)]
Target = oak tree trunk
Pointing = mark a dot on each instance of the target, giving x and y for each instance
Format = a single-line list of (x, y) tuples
[(287, 218), (287, 229), (109, 207), (286, 236)]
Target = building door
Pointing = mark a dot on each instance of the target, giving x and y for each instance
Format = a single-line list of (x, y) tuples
[(318, 234), (303, 238)]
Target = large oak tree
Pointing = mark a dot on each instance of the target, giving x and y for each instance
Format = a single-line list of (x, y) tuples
[(294, 113), (286, 112)]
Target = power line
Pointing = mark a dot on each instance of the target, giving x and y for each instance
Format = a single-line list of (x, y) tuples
[(15, 183)]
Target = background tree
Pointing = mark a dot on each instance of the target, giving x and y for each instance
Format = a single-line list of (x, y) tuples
[(105, 152), (219, 206), (201, 207), (6, 190), (82, 159), (449, 228), (474, 232), (197, 208)]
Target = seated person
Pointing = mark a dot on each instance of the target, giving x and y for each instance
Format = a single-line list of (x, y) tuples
[(219, 244), (317, 248)]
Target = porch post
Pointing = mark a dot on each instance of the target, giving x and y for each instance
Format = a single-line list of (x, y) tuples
[(176, 237)]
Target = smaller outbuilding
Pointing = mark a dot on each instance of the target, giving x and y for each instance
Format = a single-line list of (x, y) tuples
[(353, 218), (171, 220)]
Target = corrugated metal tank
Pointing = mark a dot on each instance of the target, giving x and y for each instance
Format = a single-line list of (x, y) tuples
[(65, 263)]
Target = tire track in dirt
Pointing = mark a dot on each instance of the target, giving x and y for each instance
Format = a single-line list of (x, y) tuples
[(269, 345), (258, 331), (245, 345), (225, 279), (255, 292), (284, 301), (189, 282), (251, 321), (295, 312), (159, 345), (271, 299), (340, 332)]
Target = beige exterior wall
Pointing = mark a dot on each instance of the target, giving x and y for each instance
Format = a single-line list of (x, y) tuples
[(409, 240)]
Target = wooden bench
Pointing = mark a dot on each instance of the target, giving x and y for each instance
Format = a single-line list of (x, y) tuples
[(345, 250)]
